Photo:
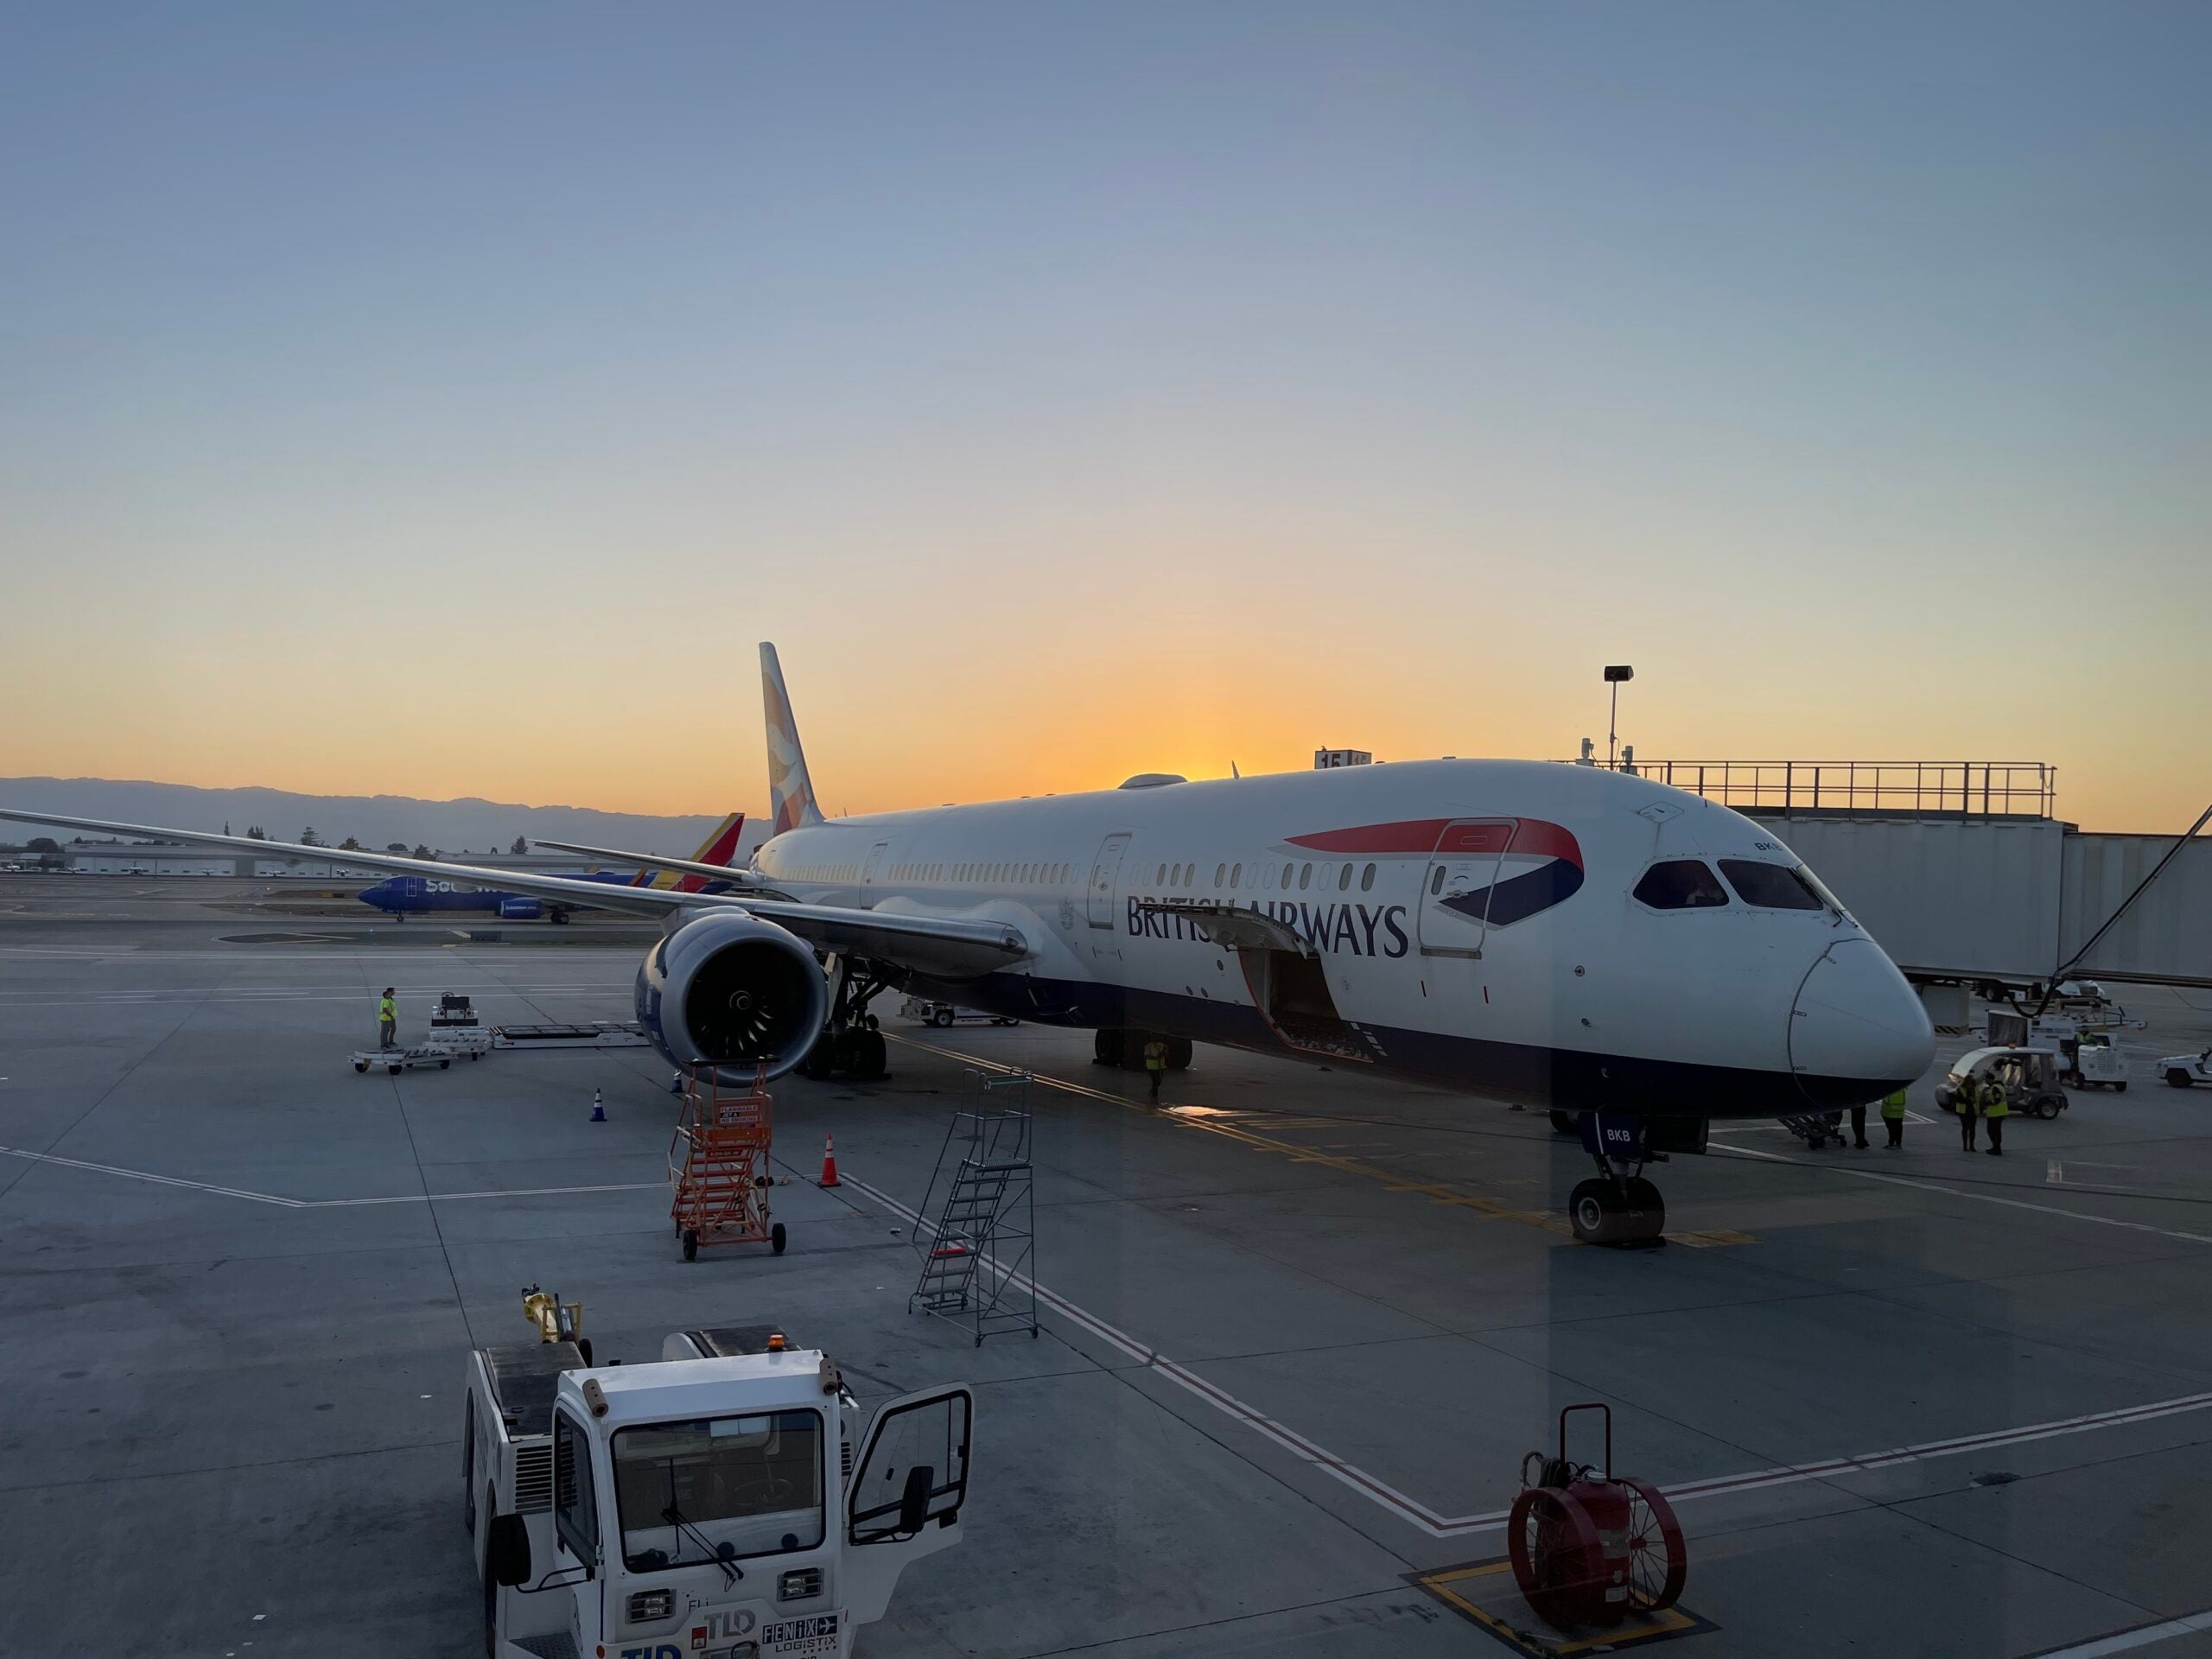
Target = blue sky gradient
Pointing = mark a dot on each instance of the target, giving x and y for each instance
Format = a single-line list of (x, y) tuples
[(1314, 375)]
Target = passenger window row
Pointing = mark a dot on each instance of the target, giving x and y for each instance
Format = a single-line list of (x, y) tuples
[(1232, 878), (1009, 873), (1690, 884)]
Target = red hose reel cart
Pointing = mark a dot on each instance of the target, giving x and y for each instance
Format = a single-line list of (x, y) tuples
[(1588, 1549)]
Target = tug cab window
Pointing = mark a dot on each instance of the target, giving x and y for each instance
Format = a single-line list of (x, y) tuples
[(575, 1518), (689, 1491), (1680, 883), (1772, 886)]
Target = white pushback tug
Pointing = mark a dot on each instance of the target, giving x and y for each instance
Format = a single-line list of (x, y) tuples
[(709, 1504)]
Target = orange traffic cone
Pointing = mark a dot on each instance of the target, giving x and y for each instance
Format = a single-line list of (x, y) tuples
[(829, 1160)]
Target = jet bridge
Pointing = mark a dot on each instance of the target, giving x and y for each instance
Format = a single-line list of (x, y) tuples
[(1964, 872)]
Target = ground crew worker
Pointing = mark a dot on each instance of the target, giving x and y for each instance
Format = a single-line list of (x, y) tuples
[(387, 1021), (1966, 1105), (1858, 1126), (1155, 1063), (1893, 1118), (1995, 1109)]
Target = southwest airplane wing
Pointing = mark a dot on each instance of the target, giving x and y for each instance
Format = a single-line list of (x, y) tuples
[(737, 875), (943, 946)]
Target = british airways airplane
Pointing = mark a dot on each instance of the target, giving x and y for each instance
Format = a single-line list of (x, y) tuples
[(705, 871), (1567, 937)]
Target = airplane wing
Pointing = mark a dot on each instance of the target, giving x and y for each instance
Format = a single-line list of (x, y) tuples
[(737, 874), (946, 946)]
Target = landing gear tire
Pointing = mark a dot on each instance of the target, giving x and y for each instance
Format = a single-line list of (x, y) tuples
[(819, 1059), (1591, 1209), (1604, 1211), (1567, 1123), (1106, 1043), (777, 1238)]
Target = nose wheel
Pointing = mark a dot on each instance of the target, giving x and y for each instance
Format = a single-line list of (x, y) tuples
[(1609, 1209), (1617, 1206)]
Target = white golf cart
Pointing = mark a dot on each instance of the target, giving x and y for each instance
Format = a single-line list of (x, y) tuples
[(2031, 1077), (2180, 1070)]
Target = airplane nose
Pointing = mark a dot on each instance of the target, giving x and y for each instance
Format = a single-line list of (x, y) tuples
[(1857, 1031)]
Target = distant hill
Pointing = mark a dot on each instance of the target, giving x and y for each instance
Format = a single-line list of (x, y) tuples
[(376, 820)]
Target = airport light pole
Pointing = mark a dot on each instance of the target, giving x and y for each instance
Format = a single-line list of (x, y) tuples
[(1615, 673)]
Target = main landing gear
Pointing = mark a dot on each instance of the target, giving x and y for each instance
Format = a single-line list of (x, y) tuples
[(1617, 1206), (851, 1042)]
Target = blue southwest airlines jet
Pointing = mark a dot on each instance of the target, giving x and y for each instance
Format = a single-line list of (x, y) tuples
[(416, 895), (1568, 938)]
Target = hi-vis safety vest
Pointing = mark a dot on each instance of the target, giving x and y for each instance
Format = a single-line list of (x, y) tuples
[(1893, 1105), (386, 1009), (1155, 1057), (1991, 1101)]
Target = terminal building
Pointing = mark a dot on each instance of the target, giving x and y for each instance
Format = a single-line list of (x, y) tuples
[(173, 858)]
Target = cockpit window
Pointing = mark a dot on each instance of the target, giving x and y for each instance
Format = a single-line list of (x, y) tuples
[(1772, 887), (1680, 884)]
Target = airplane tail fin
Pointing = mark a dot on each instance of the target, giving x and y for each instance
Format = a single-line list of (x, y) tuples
[(720, 848), (790, 791)]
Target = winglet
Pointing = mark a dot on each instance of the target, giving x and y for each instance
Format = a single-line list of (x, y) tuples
[(790, 791)]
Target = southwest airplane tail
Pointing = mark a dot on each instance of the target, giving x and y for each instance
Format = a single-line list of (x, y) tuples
[(718, 848)]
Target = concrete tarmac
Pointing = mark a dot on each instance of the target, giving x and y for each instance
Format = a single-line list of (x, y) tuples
[(1299, 1326)]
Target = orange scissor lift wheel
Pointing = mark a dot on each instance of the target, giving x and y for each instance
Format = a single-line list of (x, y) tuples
[(1587, 1549), (718, 1164)]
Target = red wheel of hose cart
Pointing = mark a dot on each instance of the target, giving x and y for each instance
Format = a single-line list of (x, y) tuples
[(1657, 1562), (1553, 1545)]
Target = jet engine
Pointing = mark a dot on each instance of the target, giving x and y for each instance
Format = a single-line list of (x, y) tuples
[(733, 991), (520, 910)]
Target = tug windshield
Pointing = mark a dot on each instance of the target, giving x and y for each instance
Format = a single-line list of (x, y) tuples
[(719, 1488)]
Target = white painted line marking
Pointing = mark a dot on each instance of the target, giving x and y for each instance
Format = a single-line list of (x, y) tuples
[(1978, 1198), (2141, 1637), (1414, 1513), (326, 1204)]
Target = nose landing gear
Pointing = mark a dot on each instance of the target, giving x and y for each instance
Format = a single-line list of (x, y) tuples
[(1615, 1210), (1617, 1206)]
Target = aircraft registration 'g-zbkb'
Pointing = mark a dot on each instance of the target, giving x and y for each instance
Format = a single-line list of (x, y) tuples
[(1568, 937)]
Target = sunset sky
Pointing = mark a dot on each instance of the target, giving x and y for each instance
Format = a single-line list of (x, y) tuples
[(441, 403)]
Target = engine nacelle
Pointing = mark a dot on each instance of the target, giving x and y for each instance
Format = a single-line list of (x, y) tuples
[(730, 990), (520, 910)]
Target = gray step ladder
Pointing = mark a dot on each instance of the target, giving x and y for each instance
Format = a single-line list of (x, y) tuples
[(978, 1234)]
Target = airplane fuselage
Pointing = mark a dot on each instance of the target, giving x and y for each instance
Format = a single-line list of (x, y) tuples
[(1475, 924)]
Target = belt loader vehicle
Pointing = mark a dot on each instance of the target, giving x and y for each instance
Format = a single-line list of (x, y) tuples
[(709, 1504)]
